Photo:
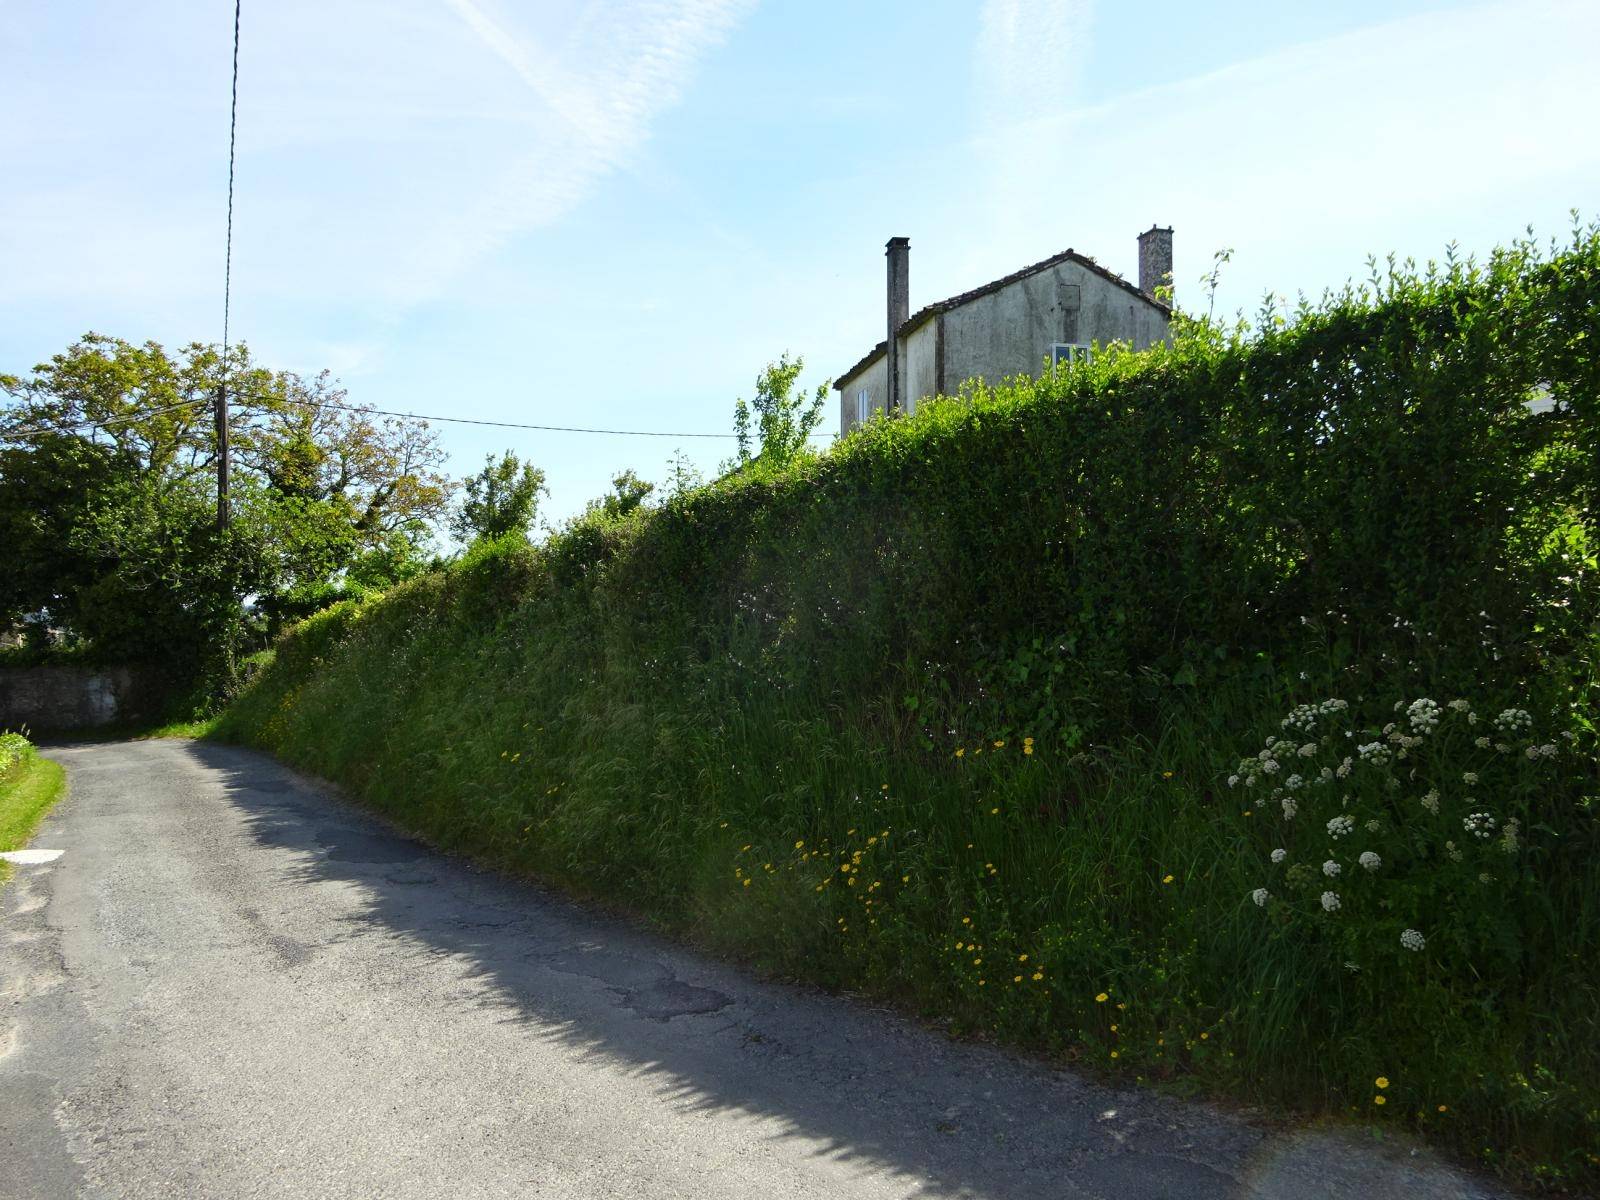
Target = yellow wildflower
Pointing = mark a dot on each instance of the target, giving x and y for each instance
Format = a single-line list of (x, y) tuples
[(961, 752), (1101, 998), (999, 745), (1166, 879), (1379, 1100), (1382, 1081)]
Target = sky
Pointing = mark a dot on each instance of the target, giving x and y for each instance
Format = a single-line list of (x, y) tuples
[(615, 214)]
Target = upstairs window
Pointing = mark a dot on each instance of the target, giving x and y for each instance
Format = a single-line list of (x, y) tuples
[(863, 406), (1068, 353)]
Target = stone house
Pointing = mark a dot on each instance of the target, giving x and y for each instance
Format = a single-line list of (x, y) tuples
[(1022, 324)]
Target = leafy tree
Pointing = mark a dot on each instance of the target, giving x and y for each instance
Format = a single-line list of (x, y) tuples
[(500, 499), (107, 511), (682, 474), (779, 418), (627, 493)]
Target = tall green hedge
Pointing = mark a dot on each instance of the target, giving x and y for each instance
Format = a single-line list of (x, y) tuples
[(1011, 649)]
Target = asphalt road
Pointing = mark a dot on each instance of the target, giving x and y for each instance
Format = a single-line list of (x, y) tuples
[(234, 984)]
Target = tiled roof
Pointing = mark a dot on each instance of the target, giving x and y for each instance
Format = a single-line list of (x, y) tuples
[(922, 315)]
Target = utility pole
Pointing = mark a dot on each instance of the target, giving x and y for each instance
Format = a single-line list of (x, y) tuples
[(222, 456)]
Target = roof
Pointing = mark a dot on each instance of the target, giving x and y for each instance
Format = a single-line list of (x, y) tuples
[(923, 315)]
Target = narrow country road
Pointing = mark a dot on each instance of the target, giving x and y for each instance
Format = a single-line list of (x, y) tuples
[(234, 984)]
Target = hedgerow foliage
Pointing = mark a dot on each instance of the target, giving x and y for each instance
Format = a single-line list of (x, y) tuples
[(963, 694)]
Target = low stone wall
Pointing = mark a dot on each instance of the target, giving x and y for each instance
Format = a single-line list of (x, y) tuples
[(64, 698)]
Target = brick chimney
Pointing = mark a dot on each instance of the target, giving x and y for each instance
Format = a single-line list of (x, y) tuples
[(898, 252), (1155, 259)]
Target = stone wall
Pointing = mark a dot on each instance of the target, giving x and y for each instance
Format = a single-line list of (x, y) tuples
[(45, 699)]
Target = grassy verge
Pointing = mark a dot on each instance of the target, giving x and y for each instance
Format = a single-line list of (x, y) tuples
[(29, 787)]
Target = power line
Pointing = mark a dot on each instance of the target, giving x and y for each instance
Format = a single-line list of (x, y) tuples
[(508, 424), (227, 292), (75, 426)]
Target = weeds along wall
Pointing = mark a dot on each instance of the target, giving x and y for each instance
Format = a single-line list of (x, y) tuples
[(950, 713)]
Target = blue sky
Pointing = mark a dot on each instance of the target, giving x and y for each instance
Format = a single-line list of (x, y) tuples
[(614, 214)]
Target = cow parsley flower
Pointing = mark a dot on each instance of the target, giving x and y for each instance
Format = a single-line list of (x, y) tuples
[(1479, 824), (1289, 808), (1482, 743), (1423, 715), (1458, 706), (1370, 861), (1509, 836), (1330, 901), (1233, 780), (1512, 720), (1331, 869), (1375, 753), (1535, 753), (1431, 801), (1469, 778), (1279, 855), (1341, 825), (1412, 940), (1261, 896), (1451, 852), (1293, 782)]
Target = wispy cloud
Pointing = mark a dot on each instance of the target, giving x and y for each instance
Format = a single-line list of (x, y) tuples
[(627, 68)]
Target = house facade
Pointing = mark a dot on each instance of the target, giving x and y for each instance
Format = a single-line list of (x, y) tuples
[(1021, 324)]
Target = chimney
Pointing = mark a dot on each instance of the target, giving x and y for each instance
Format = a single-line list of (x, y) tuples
[(1155, 259), (898, 251)]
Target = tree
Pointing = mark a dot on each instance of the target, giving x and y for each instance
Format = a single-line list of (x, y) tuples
[(627, 493), (502, 498), (783, 419), (107, 512), (682, 474)]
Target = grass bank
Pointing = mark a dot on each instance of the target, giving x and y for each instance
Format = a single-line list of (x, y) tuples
[(1220, 717), (29, 787)]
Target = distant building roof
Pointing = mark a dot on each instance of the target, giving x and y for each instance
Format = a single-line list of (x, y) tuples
[(922, 315)]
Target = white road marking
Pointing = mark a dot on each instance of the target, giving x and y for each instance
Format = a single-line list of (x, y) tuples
[(28, 858)]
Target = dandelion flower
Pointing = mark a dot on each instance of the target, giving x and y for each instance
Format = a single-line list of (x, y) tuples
[(1379, 1100), (1382, 1081), (1101, 998), (1038, 975)]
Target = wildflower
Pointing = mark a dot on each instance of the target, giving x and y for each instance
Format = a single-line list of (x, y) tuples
[(1431, 801), (800, 844), (1113, 1054), (1000, 745), (1370, 861), (1341, 825), (1444, 1108), (747, 883), (1508, 836), (994, 812), (1309, 750), (1343, 770), (1166, 879), (1423, 715), (1481, 743), (1375, 753), (1022, 958), (1027, 741), (1535, 753), (1458, 706), (961, 752), (1294, 782), (1479, 824), (1379, 1100), (1289, 808), (1512, 720), (1261, 896), (1412, 940), (1470, 778), (1279, 855), (1330, 901), (1451, 851), (1016, 979), (1038, 975), (1027, 748), (1353, 967), (966, 920), (1233, 780), (1101, 998), (1331, 869)]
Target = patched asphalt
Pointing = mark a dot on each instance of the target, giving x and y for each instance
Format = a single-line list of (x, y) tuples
[(232, 984)]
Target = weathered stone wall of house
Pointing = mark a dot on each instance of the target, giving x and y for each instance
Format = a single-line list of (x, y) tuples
[(1009, 332), (62, 698), (872, 379)]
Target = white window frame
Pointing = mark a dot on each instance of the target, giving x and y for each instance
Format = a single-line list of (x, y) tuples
[(863, 406), (1075, 352)]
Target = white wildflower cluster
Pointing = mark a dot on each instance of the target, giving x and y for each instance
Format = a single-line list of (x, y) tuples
[(1290, 808), (1309, 750), (1330, 901), (1479, 825), (1513, 720), (1482, 743), (1279, 855), (1412, 940), (1261, 896), (1331, 869), (1548, 750), (1370, 861), (1470, 778), (1345, 767), (1430, 801), (1452, 853), (1424, 715), (1375, 753), (1340, 825), (1509, 836), (1459, 706), (1304, 717), (1294, 783)]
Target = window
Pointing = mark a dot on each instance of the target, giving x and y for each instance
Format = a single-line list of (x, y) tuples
[(863, 406), (1068, 352)]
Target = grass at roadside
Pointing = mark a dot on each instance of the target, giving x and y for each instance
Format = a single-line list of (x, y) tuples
[(29, 786)]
